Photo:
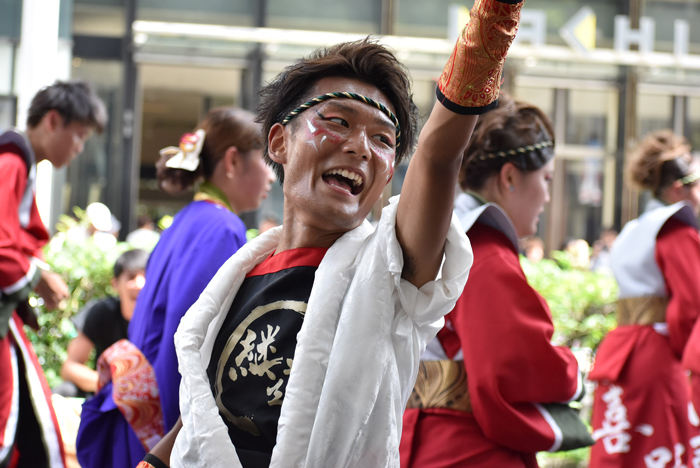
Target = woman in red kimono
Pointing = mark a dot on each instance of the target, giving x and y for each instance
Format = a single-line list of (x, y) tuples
[(488, 384), (641, 412)]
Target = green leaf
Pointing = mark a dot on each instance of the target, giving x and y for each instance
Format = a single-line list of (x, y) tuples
[(582, 302)]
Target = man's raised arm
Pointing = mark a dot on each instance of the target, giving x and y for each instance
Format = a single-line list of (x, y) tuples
[(468, 86)]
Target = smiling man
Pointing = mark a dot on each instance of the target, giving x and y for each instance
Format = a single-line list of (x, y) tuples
[(304, 348)]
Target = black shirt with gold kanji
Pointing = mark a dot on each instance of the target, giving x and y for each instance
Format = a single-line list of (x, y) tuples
[(254, 350)]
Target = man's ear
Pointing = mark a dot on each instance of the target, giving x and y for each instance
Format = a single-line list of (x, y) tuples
[(114, 283), (277, 143), (53, 120)]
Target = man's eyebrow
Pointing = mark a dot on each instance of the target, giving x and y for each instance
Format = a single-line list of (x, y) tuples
[(352, 110), (343, 106)]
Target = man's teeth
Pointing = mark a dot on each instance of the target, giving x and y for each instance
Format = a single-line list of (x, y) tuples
[(356, 178)]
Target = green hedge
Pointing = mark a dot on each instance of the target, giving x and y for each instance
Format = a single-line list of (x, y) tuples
[(582, 302)]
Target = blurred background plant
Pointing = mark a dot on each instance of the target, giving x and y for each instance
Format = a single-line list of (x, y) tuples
[(572, 459), (582, 302), (86, 267)]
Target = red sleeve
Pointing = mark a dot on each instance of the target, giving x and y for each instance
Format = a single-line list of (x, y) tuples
[(678, 257), (505, 329), (14, 248)]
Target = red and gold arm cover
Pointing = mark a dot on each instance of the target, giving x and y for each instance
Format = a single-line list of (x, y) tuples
[(151, 461), (471, 80)]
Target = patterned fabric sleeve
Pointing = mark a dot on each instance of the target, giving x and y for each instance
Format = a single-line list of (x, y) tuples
[(471, 80), (134, 390)]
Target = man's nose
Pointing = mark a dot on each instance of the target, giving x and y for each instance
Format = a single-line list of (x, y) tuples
[(358, 143)]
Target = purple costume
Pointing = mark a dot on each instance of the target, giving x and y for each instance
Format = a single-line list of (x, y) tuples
[(202, 237)]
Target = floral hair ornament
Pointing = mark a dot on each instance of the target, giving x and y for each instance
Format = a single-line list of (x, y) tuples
[(187, 154), (346, 95)]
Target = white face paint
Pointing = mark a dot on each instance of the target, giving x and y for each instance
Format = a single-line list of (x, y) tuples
[(312, 130)]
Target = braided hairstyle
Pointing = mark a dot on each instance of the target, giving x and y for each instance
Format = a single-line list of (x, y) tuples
[(660, 159), (515, 132)]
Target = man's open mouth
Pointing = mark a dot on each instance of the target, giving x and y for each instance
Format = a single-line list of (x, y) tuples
[(344, 179)]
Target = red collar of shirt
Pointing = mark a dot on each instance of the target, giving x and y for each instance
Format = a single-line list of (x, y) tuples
[(303, 256)]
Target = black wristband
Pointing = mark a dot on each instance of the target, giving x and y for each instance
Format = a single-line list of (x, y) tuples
[(155, 461), (463, 110)]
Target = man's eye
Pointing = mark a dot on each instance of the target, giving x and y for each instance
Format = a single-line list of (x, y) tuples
[(336, 120), (386, 140)]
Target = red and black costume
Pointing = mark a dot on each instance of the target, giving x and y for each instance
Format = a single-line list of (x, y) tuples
[(29, 434)]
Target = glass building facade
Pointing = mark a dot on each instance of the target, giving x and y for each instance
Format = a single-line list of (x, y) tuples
[(603, 89)]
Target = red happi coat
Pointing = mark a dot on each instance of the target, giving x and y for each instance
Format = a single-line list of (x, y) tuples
[(641, 412), (501, 328), (28, 426), (691, 362)]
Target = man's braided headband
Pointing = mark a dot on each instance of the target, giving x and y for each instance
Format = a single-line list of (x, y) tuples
[(345, 95), (516, 151)]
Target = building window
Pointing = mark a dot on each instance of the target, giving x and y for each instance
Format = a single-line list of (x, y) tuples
[(358, 16), (8, 112), (588, 116), (654, 112)]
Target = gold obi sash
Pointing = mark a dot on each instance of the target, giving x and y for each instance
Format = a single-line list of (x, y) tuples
[(645, 310), (441, 384)]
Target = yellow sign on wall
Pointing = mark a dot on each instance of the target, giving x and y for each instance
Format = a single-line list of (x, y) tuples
[(580, 31)]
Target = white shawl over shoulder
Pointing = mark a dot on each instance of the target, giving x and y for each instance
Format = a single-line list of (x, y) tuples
[(356, 356)]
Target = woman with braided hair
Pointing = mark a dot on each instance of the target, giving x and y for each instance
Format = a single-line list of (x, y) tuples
[(492, 389), (641, 411)]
